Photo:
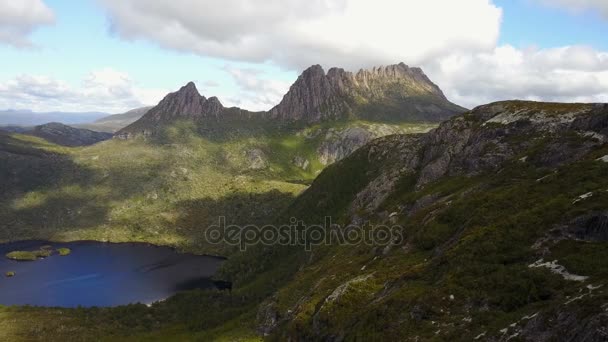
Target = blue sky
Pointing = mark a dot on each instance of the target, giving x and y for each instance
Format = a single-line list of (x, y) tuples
[(139, 62), (527, 23)]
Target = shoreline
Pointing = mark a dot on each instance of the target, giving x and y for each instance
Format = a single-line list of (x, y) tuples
[(174, 248)]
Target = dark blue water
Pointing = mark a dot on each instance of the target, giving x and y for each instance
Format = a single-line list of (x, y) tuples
[(101, 274)]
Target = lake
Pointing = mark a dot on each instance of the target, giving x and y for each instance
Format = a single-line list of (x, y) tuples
[(101, 274)]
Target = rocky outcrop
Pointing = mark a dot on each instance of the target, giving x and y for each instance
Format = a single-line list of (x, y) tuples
[(312, 98), (479, 141), (184, 104), (520, 151), (403, 92), (395, 93), (301, 162), (256, 159), (61, 134)]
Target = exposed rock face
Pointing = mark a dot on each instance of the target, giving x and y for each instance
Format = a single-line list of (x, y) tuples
[(301, 162), (479, 142), (311, 98), (185, 104), (68, 136), (592, 227), (404, 92), (496, 142), (256, 158), (339, 144), (267, 317), (336, 143), (394, 93)]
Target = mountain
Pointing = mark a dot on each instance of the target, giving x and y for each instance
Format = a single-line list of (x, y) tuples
[(394, 94), (64, 135), (502, 214), (184, 104), (115, 122), (30, 118), (498, 219), (14, 129)]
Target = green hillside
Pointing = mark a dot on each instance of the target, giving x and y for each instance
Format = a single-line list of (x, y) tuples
[(503, 210), (164, 191)]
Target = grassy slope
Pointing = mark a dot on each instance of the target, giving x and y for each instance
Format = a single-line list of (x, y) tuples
[(164, 192), (485, 269)]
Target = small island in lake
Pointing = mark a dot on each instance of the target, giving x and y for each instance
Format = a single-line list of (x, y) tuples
[(43, 252), (64, 251)]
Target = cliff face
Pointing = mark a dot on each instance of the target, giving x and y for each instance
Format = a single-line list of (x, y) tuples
[(186, 103), (395, 93), (407, 94)]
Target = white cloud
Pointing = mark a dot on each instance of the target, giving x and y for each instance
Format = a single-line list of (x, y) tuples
[(580, 5), (105, 90), (454, 41), (256, 92), (564, 74), (298, 33), (20, 18)]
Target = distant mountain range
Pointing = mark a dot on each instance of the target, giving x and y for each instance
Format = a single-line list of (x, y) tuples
[(61, 134), (113, 123), (26, 118), (394, 93)]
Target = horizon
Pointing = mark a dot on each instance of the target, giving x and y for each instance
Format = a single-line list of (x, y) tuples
[(477, 51)]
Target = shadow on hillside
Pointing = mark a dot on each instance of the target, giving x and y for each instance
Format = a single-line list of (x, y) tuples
[(25, 167), (44, 192), (239, 209), (49, 196)]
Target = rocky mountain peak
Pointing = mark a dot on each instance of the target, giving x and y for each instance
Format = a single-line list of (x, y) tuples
[(305, 97), (190, 86), (316, 96), (186, 103), (387, 93)]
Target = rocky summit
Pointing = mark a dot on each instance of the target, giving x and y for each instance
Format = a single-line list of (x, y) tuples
[(184, 104), (395, 93)]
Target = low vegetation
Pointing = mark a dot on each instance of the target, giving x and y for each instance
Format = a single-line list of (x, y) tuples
[(29, 255), (164, 191), (64, 251)]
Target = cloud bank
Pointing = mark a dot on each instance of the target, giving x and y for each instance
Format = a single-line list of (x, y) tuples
[(454, 41), (18, 19), (566, 74), (298, 33), (105, 90)]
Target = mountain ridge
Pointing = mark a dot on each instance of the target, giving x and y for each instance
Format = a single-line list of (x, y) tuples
[(392, 93), (115, 122), (15, 117), (65, 135)]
